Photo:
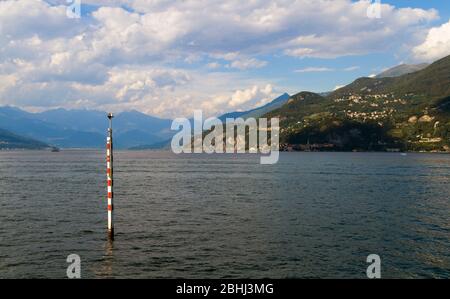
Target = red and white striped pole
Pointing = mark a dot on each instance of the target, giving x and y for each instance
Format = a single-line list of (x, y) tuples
[(109, 174)]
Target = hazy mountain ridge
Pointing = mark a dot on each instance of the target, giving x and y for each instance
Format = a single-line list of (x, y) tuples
[(401, 70), (85, 128), (9, 140), (258, 112)]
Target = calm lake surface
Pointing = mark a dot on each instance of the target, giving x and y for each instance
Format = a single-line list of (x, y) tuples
[(200, 216)]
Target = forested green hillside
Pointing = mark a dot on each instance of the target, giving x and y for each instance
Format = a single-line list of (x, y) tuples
[(410, 112)]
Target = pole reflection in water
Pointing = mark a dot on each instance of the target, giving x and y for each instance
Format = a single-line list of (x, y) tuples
[(106, 265)]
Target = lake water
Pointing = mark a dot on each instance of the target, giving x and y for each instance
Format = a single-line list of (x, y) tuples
[(199, 216)]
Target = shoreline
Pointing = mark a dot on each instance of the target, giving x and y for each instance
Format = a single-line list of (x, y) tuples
[(166, 150)]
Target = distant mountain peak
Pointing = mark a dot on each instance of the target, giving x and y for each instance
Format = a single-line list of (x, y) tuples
[(258, 112), (401, 70)]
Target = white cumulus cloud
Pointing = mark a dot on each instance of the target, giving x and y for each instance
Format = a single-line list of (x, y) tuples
[(436, 44), (144, 54), (241, 97)]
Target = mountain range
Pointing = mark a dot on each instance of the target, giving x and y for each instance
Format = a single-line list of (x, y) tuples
[(84, 128), (256, 113), (87, 128), (404, 108)]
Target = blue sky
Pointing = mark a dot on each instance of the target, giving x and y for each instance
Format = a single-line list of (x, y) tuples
[(441, 5), (168, 58), (361, 65)]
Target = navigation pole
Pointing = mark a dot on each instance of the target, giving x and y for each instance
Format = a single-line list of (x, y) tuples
[(109, 175)]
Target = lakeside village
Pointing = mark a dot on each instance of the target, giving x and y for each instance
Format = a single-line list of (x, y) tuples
[(364, 109)]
